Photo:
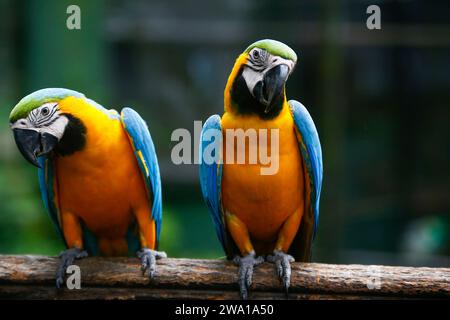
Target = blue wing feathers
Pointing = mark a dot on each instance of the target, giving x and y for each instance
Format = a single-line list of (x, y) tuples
[(311, 152), (211, 179), (145, 153), (45, 177)]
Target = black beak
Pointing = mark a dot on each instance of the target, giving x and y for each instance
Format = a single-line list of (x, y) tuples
[(32, 144), (271, 90)]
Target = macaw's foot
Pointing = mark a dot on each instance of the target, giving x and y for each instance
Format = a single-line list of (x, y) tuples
[(283, 264), (245, 277), (67, 258), (148, 260)]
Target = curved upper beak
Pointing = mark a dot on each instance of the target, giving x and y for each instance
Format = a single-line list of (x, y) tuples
[(32, 144), (272, 86)]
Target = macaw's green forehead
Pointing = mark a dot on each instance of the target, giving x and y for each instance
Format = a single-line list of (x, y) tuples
[(38, 98), (274, 47)]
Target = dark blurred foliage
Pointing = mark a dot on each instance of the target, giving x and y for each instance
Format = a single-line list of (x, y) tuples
[(380, 100)]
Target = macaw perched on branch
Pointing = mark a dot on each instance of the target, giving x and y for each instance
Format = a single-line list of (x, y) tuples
[(98, 175), (259, 215)]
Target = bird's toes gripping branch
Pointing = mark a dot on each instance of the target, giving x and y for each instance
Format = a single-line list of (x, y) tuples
[(148, 260), (245, 276), (282, 263), (67, 257)]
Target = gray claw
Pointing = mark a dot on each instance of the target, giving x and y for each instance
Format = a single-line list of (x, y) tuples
[(148, 260), (282, 263), (245, 277), (67, 258)]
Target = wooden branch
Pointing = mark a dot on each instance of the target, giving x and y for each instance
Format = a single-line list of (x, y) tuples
[(33, 277)]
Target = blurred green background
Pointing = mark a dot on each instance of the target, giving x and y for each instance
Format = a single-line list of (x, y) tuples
[(380, 100)]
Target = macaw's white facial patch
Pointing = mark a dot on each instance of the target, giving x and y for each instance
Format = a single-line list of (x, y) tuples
[(252, 77), (45, 119), (258, 63)]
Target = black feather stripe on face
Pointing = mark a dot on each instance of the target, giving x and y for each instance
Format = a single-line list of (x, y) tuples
[(74, 137), (260, 62), (47, 120), (37, 118)]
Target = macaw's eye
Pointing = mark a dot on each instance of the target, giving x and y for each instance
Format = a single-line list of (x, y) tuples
[(45, 111), (256, 54)]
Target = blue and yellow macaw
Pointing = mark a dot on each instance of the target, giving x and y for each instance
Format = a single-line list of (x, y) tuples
[(255, 214), (98, 175)]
